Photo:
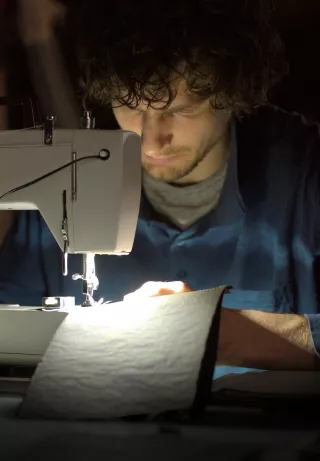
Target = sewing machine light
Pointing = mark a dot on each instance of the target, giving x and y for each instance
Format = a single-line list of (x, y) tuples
[(58, 302)]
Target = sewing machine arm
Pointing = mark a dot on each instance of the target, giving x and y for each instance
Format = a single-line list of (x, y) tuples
[(85, 183)]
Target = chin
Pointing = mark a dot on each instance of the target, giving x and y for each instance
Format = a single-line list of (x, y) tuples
[(162, 173)]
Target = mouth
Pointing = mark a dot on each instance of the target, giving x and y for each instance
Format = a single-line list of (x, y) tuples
[(160, 160)]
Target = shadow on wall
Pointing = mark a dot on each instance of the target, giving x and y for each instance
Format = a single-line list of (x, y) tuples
[(298, 22)]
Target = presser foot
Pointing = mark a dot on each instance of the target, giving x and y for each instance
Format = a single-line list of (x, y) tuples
[(89, 301)]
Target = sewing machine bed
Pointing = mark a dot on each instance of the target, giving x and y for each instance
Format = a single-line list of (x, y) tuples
[(25, 333)]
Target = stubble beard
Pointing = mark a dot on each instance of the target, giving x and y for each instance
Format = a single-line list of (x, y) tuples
[(169, 174)]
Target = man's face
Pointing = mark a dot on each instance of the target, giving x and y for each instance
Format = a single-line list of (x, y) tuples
[(179, 142)]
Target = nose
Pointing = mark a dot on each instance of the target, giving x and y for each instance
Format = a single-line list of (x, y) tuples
[(156, 134)]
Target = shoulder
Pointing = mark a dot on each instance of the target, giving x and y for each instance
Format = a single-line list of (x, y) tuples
[(278, 135), (278, 153)]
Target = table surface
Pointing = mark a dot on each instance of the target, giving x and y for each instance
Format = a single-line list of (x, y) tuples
[(236, 426)]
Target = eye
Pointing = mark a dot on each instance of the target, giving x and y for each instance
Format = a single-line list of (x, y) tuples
[(187, 110), (134, 110)]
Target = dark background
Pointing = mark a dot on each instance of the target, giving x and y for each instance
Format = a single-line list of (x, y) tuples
[(298, 22)]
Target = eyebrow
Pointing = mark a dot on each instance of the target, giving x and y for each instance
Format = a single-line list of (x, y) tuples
[(189, 105)]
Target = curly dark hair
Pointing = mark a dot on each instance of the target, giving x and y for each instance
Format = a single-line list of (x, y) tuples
[(226, 50)]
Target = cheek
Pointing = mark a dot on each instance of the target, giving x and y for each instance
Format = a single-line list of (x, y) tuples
[(192, 132), (210, 129)]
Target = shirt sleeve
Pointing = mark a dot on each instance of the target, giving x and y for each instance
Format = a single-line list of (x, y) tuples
[(314, 325), (314, 318)]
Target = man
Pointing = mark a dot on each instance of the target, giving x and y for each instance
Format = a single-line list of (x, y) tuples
[(230, 193)]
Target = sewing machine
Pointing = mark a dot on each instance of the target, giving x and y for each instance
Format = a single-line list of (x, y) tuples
[(85, 183)]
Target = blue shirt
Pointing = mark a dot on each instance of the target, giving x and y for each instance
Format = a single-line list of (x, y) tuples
[(263, 239)]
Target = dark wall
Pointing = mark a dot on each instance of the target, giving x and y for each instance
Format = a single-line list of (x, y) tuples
[(298, 22)]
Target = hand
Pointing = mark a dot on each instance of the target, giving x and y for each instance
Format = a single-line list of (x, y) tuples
[(36, 19), (153, 289)]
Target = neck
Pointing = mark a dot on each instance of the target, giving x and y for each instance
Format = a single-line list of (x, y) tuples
[(213, 161)]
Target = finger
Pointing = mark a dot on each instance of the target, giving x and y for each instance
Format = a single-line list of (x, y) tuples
[(154, 289), (147, 290), (151, 289)]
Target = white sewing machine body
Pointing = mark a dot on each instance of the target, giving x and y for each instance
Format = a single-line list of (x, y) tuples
[(98, 199)]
